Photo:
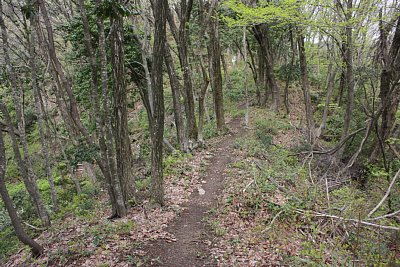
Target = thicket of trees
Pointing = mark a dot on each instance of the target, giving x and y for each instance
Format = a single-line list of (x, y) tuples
[(73, 70)]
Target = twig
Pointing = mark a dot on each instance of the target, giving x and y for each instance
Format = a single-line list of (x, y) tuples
[(394, 151), (34, 227), (386, 195), (384, 216), (337, 147), (319, 214), (272, 221), (281, 188), (244, 190)]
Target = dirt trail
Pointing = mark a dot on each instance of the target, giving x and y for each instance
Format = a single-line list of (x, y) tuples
[(193, 235)]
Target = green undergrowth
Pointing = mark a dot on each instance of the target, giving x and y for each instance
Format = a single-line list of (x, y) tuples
[(272, 188), (70, 204)]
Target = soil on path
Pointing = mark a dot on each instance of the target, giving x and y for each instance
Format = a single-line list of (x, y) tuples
[(192, 233)]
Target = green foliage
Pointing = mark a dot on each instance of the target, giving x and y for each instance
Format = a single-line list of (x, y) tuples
[(236, 91), (81, 205), (287, 70), (113, 9), (142, 184), (280, 13), (80, 153), (173, 163), (9, 242), (218, 229), (210, 130)]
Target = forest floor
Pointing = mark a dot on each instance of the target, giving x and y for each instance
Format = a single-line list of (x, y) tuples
[(245, 199), (175, 235)]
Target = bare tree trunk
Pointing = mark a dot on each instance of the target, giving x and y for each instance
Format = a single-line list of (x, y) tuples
[(110, 174), (40, 112), (122, 141), (215, 71), (96, 114), (260, 77), (37, 249), (261, 34), (226, 72), (157, 127), (349, 76), (246, 118), (329, 91), (202, 98), (306, 89), (289, 73), (58, 70), (30, 185), (175, 88), (389, 76), (181, 38)]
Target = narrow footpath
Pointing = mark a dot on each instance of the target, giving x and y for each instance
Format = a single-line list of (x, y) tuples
[(193, 236)]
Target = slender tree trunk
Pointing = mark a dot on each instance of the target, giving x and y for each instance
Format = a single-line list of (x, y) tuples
[(260, 77), (329, 92), (306, 89), (215, 72), (289, 73), (202, 98), (157, 127), (30, 185), (122, 141), (58, 70), (110, 174), (181, 38), (389, 74), (226, 72), (37, 249), (40, 112), (246, 118), (349, 76), (175, 88), (261, 34), (24, 165)]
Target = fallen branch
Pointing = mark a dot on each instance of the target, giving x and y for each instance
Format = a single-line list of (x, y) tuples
[(34, 227), (360, 148), (386, 195), (337, 147), (319, 214), (385, 216)]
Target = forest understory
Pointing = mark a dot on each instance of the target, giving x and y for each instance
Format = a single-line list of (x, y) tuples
[(261, 204), (199, 133)]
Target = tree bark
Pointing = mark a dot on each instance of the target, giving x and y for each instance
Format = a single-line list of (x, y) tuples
[(306, 89), (181, 38), (40, 112), (349, 75), (157, 127), (329, 91), (175, 88), (261, 34), (389, 75), (110, 173), (122, 141), (73, 111), (215, 71), (202, 98)]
